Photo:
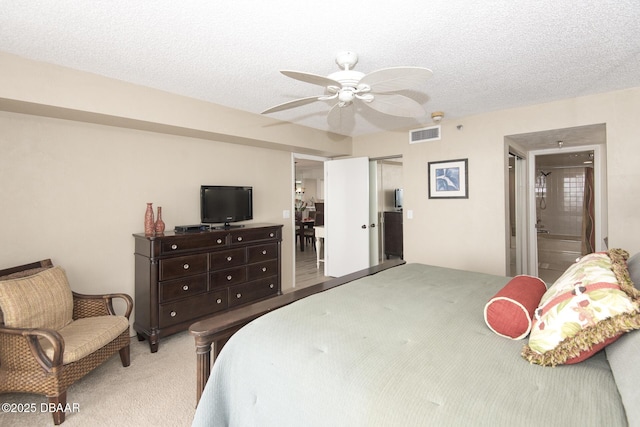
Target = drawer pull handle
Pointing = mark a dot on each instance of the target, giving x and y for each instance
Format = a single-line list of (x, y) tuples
[(264, 269), (219, 241), (173, 314), (271, 286), (229, 258), (219, 301), (229, 277), (185, 266), (264, 252), (271, 235), (239, 238), (238, 296), (174, 247), (185, 288)]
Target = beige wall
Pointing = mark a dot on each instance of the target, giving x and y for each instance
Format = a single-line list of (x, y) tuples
[(389, 175), (79, 161), (38, 88), (76, 192), (82, 154), (470, 234)]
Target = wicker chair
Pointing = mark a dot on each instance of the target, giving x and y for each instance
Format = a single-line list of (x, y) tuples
[(57, 336)]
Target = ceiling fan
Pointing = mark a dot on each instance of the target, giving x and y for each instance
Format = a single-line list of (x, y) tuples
[(347, 87)]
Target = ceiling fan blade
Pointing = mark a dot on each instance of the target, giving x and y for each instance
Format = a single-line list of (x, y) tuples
[(311, 78), (291, 104), (341, 118), (396, 78), (396, 105)]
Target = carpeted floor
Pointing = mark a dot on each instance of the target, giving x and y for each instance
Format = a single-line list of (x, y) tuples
[(157, 389)]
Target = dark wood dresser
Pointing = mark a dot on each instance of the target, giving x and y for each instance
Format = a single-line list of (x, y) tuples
[(181, 278), (393, 240)]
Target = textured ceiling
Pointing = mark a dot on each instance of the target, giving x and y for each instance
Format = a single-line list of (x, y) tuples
[(485, 56)]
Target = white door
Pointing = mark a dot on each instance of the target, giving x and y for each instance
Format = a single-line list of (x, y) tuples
[(346, 217)]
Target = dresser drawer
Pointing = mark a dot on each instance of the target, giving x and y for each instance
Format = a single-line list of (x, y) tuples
[(183, 266), (226, 259), (228, 277), (262, 252), (193, 242), (182, 288), (254, 235), (182, 277), (253, 291), (191, 308), (262, 270)]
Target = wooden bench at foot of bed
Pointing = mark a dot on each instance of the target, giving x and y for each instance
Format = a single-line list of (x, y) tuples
[(215, 331)]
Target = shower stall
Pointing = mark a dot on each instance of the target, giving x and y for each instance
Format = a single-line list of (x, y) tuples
[(564, 199)]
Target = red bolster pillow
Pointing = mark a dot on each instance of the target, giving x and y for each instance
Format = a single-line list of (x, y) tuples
[(510, 311)]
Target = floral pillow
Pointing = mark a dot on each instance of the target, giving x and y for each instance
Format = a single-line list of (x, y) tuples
[(590, 306)]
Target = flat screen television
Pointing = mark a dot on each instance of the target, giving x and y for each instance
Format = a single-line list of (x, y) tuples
[(224, 204), (397, 198)]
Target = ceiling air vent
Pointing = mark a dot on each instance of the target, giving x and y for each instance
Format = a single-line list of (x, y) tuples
[(426, 134)]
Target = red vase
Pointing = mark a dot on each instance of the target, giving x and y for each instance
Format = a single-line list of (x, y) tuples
[(149, 224), (159, 222)]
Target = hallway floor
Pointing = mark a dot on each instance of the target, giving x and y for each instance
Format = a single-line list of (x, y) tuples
[(307, 273)]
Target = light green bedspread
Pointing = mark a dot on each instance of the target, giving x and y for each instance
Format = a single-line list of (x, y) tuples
[(405, 347)]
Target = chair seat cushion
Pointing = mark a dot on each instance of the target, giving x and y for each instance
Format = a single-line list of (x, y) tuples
[(84, 336)]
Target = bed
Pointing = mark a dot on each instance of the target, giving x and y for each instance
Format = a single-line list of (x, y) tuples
[(408, 346)]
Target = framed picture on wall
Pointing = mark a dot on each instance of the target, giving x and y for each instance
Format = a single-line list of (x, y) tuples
[(449, 179)]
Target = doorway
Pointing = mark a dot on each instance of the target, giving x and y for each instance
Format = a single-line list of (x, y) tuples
[(565, 210), (307, 197), (385, 196), (526, 198), (387, 212)]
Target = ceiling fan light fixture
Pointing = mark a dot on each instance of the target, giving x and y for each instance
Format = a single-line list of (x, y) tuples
[(346, 96), (437, 116), (347, 88)]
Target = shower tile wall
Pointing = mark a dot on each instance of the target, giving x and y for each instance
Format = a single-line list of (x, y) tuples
[(563, 196)]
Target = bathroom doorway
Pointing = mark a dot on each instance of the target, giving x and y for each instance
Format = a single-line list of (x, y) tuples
[(565, 210), (524, 192)]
